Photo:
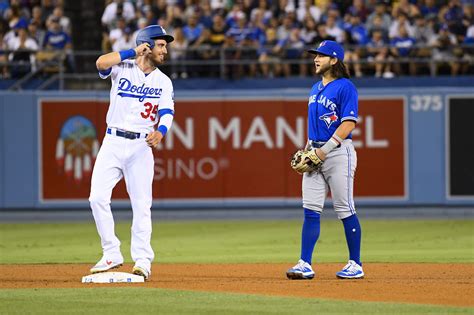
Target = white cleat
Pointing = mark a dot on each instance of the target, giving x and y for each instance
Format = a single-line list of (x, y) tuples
[(106, 264), (351, 271), (141, 271)]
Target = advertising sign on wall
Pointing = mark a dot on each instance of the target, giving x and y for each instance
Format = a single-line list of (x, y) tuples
[(231, 149)]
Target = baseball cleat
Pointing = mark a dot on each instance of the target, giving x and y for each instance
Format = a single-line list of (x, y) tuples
[(302, 270), (106, 264), (141, 271), (351, 271)]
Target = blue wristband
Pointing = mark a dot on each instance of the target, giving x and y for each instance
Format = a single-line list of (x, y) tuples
[(126, 54), (163, 130)]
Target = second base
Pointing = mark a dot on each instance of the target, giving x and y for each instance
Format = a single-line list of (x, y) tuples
[(112, 277)]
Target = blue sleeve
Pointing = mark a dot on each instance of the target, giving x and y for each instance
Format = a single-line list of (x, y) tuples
[(105, 72), (349, 99)]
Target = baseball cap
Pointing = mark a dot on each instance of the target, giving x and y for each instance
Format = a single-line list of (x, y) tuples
[(329, 48)]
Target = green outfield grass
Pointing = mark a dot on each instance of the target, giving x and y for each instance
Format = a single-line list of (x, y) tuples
[(225, 242), (159, 301), (244, 241)]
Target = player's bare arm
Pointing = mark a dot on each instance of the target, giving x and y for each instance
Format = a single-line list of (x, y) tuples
[(108, 60), (341, 132)]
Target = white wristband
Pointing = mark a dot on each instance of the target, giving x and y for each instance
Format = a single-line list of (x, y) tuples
[(331, 144)]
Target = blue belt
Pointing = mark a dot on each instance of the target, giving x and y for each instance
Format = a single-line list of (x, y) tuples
[(125, 134), (318, 144)]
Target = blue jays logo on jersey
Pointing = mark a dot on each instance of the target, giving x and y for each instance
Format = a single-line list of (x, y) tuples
[(329, 118), (140, 92)]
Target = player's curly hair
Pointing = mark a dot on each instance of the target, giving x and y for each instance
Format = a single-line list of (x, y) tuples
[(339, 70)]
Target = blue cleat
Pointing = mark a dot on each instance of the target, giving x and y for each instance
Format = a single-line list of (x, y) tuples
[(302, 270), (351, 271)]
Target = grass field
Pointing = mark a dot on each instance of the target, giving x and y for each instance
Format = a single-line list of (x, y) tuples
[(225, 242)]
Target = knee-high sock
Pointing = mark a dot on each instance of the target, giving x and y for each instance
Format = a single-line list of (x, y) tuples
[(353, 237), (309, 234)]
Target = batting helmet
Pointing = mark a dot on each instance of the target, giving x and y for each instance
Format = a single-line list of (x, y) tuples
[(329, 48), (152, 32)]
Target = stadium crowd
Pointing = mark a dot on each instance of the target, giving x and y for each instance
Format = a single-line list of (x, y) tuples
[(32, 32), (257, 38), (384, 37)]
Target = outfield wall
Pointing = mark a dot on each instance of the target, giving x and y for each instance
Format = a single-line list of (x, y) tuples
[(232, 148)]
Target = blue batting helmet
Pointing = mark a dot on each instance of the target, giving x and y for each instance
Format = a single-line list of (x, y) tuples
[(152, 32), (329, 48)]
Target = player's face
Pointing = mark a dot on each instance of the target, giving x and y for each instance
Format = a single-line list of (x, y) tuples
[(159, 52), (322, 63)]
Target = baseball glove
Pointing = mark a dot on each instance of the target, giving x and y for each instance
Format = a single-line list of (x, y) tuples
[(306, 161)]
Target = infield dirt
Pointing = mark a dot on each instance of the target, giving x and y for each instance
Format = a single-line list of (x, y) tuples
[(438, 284)]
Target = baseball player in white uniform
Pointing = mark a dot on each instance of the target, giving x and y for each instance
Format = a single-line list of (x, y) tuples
[(141, 97)]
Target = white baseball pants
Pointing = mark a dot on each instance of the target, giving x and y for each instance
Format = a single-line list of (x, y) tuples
[(337, 176), (132, 159)]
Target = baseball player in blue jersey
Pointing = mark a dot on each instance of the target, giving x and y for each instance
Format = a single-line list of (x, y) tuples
[(141, 98), (329, 160)]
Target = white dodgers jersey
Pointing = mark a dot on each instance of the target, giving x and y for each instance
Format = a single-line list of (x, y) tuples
[(136, 98)]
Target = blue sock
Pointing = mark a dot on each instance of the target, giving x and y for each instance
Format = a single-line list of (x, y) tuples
[(353, 237), (309, 234)]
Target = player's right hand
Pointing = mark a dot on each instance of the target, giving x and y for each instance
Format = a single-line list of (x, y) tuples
[(143, 49)]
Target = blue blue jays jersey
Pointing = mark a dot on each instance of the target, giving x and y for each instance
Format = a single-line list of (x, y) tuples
[(329, 106)]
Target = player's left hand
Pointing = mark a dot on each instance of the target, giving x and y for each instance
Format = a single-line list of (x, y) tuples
[(154, 138), (321, 154), (306, 161)]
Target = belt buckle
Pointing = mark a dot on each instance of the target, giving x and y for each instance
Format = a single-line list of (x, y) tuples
[(131, 135)]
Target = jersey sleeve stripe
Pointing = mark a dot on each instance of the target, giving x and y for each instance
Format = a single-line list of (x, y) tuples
[(349, 118), (165, 111), (105, 73)]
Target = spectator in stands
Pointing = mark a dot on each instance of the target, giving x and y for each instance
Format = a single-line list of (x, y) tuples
[(380, 12), (402, 20), (115, 9), (192, 31), (205, 18), (268, 54), (247, 52), (468, 51), (357, 8), (234, 15), (308, 10), (406, 8), (4, 5), (64, 21), (378, 51), (58, 40), (218, 6), (4, 74), (284, 29), (422, 30), (334, 30), (452, 15), (47, 8), (322, 34), (23, 49), (356, 35), (37, 17), (177, 54), (262, 10), (445, 50), (36, 33), (309, 31), (377, 25), (125, 41), (292, 49), (429, 9), (402, 49), (218, 31), (117, 32)]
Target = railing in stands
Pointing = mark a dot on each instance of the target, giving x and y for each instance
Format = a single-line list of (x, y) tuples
[(221, 63)]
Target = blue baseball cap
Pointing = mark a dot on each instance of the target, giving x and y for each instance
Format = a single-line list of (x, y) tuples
[(329, 48)]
